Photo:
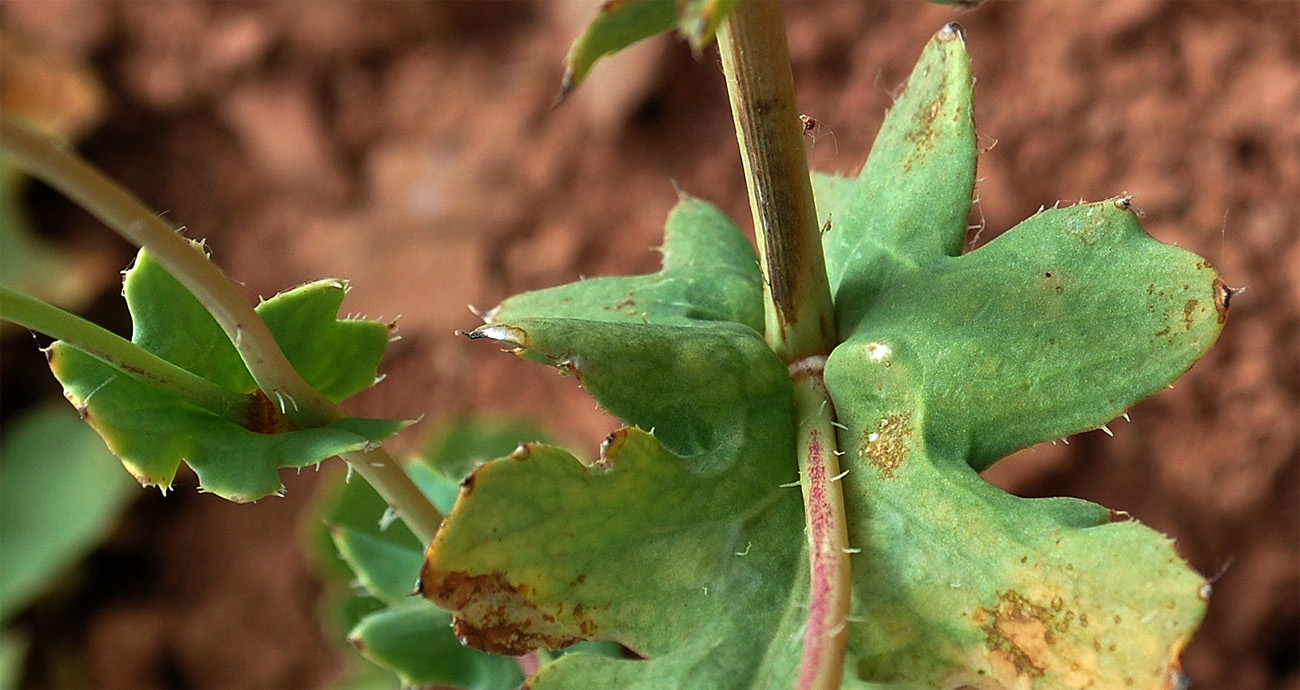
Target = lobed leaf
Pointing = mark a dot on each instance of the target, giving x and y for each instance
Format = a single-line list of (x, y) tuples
[(152, 430), (710, 273), (395, 629), (681, 544), (952, 362), (911, 200), (650, 545)]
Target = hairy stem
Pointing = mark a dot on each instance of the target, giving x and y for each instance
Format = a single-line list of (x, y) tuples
[(122, 354), (799, 314), (47, 160), (828, 543)]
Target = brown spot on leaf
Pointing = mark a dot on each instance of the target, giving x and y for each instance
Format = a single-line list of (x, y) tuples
[(886, 446), (1052, 282), (1222, 296), (1189, 313), (627, 305), (467, 484), (923, 135), (495, 615), (610, 447), (264, 417), (1021, 633)]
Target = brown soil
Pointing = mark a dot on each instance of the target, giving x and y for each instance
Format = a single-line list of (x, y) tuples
[(410, 148)]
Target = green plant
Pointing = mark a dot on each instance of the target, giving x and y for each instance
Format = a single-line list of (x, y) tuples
[(857, 355), (49, 516)]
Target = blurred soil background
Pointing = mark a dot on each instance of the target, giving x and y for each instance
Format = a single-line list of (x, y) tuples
[(410, 147)]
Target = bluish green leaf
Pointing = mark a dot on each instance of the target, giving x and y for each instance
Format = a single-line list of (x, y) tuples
[(951, 362), (651, 545), (710, 273), (681, 543)]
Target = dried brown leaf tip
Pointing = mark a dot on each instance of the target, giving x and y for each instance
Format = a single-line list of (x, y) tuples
[(498, 616)]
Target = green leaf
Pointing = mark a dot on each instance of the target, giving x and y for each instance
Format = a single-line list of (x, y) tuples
[(700, 20), (462, 445), (710, 273), (641, 548), (152, 431), (620, 23), (29, 263), (57, 501), (952, 362), (405, 634), (617, 25), (681, 543), (651, 545), (414, 641), (1062, 323), (911, 200)]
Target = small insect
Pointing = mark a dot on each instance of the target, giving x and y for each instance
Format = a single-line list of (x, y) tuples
[(816, 130)]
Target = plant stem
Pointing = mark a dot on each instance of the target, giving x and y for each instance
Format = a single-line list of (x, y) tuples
[(756, 62), (828, 555), (47, 160), (800, 316), (122, 354)]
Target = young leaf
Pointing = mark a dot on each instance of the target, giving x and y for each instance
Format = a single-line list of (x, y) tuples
[(952, 362), (620, 23), (152, 430), (617, 25)]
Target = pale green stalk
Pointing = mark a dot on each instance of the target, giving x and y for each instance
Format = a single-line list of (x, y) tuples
[(121, 354), (47, 160), (800, 316)]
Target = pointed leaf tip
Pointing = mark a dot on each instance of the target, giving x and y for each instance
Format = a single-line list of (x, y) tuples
[(910, 203), (617, 25)]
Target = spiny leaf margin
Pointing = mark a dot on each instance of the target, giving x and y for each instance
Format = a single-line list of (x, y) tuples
[(153, 431)]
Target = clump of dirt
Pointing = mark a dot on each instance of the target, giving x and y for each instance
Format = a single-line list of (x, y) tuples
[(411, 148)]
